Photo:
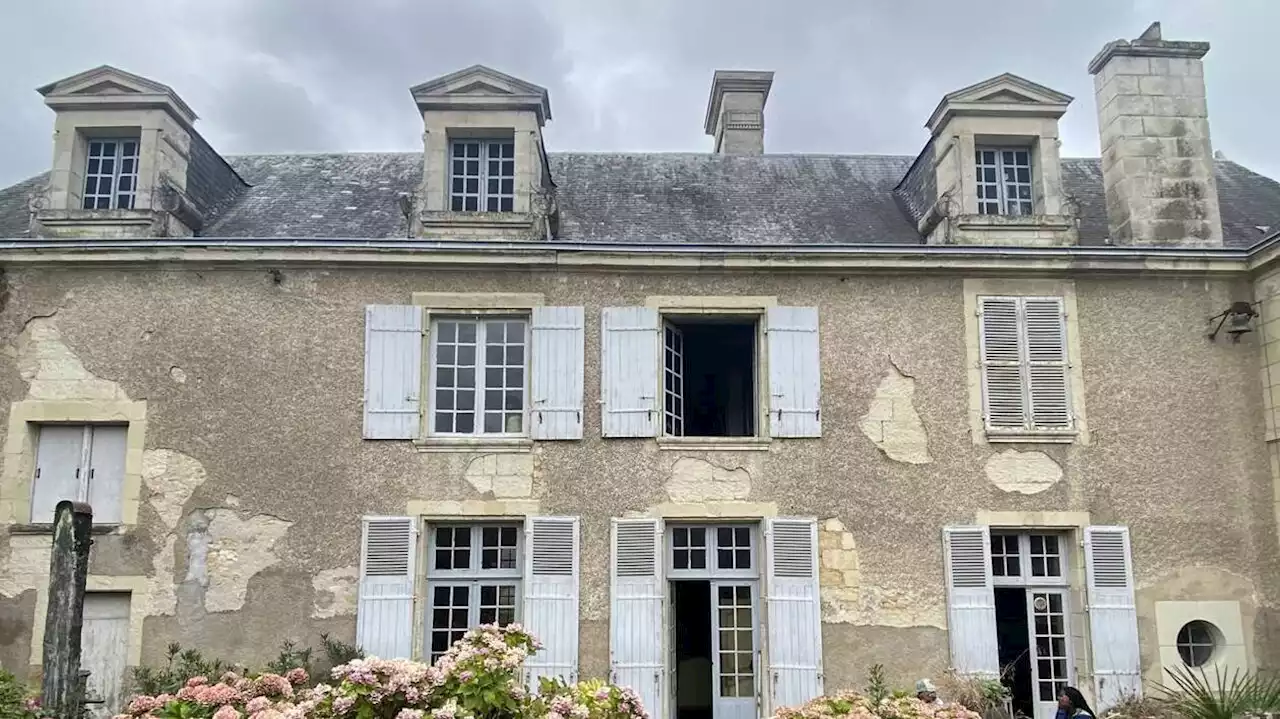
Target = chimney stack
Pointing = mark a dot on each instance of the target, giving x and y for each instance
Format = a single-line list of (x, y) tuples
[(1157, 161), (735, 112)]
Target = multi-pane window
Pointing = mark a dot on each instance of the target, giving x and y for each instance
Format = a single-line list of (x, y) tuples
[(1024, 364), (111, 174), (1004, 181), (735, 642), (482, 176), (473, 578), (721, 549), (478, 376), (80, 463), (1022, 558), (1197, 642)]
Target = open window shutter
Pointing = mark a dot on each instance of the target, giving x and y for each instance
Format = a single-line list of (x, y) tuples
[(557, 366), (384, 612), (106, 472), (392, 371), (795, 373), (1003, 403), (795, 619), (629, 371), (1113, 617), (551, 597), (635, 614), (58, 453), (971, 602), (1046, 333)]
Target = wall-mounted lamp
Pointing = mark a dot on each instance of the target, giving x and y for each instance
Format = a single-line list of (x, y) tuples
[(1238, 318)]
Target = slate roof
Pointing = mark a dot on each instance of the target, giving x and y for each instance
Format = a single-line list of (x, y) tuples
[(651, 198)]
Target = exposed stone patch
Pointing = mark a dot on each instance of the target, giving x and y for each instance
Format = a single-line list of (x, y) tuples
[(1023, 472), (171, 478), (508, 476), (336, 591), (238, 549), (891, 422), (163, 600), (697, 480), (178, 374), (52, 371), (27, 566), (846, 599)]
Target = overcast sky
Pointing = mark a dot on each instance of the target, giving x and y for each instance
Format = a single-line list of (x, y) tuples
[(853, 76)]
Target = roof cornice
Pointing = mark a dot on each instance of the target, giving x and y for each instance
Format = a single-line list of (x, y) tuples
[(459, 254)]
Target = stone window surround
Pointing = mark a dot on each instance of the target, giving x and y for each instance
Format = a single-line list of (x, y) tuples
[(722, 305), (442, 128), (1226, 616), (427, 512), (1071, 525), (447, 304), (977, 287), (20, 451), (74, 129), (136, 586)]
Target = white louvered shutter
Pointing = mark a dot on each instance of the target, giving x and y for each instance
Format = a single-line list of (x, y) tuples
[(1003, 401), (971, 602), (629, 371), (635, 613), (1113, 616), (795, 618), (384, 612), (551, 597), (1046, 341), (392, 371), (59, 449), (556, 361), (795, 372)]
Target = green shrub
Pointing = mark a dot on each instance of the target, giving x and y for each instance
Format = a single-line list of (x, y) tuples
[(16, 700), (180, 665), (1195, 695)]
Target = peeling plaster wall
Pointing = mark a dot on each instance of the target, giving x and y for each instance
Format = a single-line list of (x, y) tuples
[(254, 475)]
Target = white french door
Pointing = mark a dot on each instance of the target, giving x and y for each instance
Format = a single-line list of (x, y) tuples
[(1050, 648), (735, 649)]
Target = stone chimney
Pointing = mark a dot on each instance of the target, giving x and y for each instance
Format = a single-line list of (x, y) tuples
[(1157, 161), (735, 112)]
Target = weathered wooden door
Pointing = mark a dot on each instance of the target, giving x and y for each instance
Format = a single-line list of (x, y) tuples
[(104, 649)]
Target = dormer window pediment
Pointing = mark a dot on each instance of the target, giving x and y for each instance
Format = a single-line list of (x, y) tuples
[(482, 88), (1003, 95)]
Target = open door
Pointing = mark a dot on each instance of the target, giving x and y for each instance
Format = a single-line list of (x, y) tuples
[(734, 644)]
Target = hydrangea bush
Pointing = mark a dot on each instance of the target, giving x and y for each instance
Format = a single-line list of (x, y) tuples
[(852, 705), (480, 677)]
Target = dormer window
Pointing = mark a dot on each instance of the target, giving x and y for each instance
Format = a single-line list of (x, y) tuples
[(111, 173), (1004, 181), (482, 176)]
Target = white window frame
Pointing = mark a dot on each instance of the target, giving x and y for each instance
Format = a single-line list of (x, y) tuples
[(759, 417), (480, 319), (474, 575), (712, 570), (1025, 578), (1028, 428), (84, 469), (484, 194), (116, 199), (1004, 188)]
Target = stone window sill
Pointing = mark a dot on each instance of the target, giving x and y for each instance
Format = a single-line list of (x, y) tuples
[(1014, 222), (716, 444), (47, 528), (481, 220), (1031, 437), (485, 445), (88, 217)]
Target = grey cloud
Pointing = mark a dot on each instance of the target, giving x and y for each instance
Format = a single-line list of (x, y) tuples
[(304, 75)]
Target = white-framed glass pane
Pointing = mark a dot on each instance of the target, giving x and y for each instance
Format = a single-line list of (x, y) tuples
[(454, 384), (1005, 557), (482, 176), (1003, 181), (1045, 555), (504, 380), (673, 382), (499, 547), (1048, 614), (111, 173), (451, 548), (497, 603), (736, 643), (450, 610), (733, 548), (689, 548)]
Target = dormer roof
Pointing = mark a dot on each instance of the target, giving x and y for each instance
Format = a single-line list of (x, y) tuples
[(1006, 94), (107, 87), (482, 88)]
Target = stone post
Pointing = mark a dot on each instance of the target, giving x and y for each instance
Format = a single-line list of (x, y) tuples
[(62, 686)]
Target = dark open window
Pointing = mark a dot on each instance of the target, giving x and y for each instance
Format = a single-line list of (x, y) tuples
[(709, 377)]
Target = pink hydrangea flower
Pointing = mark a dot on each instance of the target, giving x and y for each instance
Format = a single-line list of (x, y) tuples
[(297, 676), (142, 704), (197, 681), (227, 712), (257, 704)]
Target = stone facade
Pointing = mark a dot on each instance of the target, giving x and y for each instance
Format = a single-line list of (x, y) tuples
[(280, 385)]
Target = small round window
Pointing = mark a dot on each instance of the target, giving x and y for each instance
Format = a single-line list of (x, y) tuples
[(1197, 642)]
